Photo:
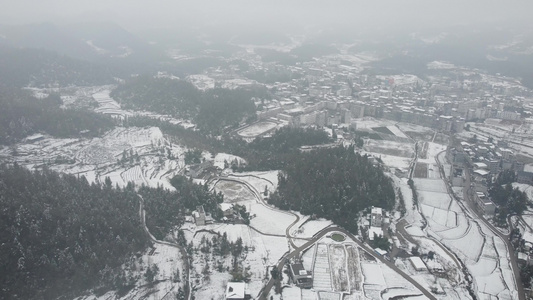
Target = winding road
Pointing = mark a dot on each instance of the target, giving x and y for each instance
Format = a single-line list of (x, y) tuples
[(297, 250)]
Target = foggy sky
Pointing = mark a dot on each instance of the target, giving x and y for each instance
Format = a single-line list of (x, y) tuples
[(383, 14)]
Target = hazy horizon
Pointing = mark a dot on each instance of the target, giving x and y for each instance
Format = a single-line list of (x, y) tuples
[(368, 16)]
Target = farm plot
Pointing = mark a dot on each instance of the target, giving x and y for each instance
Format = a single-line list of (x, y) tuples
[(257, 129), (354, 268), (96, 155), (133, 174), (234, 191), (438, 200), (470, 246), (308, 294), (401, 163), (321, 269), (430, 185), (421, 170), (106, 104), (329, 296), (463, 226), (390, 148), (269, 221), (337, 262), (442, 217), (373, 275)]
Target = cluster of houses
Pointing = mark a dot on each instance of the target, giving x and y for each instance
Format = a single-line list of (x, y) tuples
[(485, 160)]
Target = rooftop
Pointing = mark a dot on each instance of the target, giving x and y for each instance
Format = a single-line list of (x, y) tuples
[(235, 290)]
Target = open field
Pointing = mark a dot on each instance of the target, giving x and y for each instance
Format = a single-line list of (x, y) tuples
[(233, 191)]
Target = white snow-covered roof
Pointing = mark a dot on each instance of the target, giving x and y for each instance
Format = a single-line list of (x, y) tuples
[(377, 230), (376, 210), (417, 263), (380, 251), (480, 165), (235, 290), (225, 206), (481, 172), (528, 236)]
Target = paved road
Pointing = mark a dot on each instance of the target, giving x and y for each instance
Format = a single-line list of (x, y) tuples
[(142, 214), (266, 290), (297, 250)]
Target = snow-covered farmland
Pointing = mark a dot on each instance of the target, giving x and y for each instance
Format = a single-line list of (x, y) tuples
[(390, 148)]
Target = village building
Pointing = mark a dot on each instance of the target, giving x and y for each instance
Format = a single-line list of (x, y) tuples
[(237, 291), (376, 217), (417, 263), (199, 216), (301, 277)]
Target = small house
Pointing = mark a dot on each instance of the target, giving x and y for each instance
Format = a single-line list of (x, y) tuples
[(376, 217), (199, 216), (237, 291), (417, 263), (301, 277)]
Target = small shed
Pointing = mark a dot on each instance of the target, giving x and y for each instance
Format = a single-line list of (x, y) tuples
[(417, 263)]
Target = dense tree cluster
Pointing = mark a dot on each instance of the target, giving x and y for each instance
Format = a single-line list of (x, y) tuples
[(174, 97), (22, 115), (273, 153), (166, 209), (62, 235), (264, 153), (212, 110), (334, 183), (509, 200)]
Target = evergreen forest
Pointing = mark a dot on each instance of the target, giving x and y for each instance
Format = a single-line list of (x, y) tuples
[(62, 235)]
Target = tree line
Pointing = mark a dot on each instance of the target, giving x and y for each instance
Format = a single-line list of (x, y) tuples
[(22, 115), (213, 110), (62, 235)]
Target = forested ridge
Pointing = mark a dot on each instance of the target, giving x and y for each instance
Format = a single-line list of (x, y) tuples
[(62, 235), (334, 183), (212, 110), (22, 115)]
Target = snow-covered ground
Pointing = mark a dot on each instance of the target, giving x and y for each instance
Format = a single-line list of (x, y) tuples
[(440, 222), (132, 154), (168, 279)]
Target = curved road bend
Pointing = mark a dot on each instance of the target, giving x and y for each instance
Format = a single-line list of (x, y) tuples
[(260, 200), (470, 207), (142, 214), (266, 290)]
